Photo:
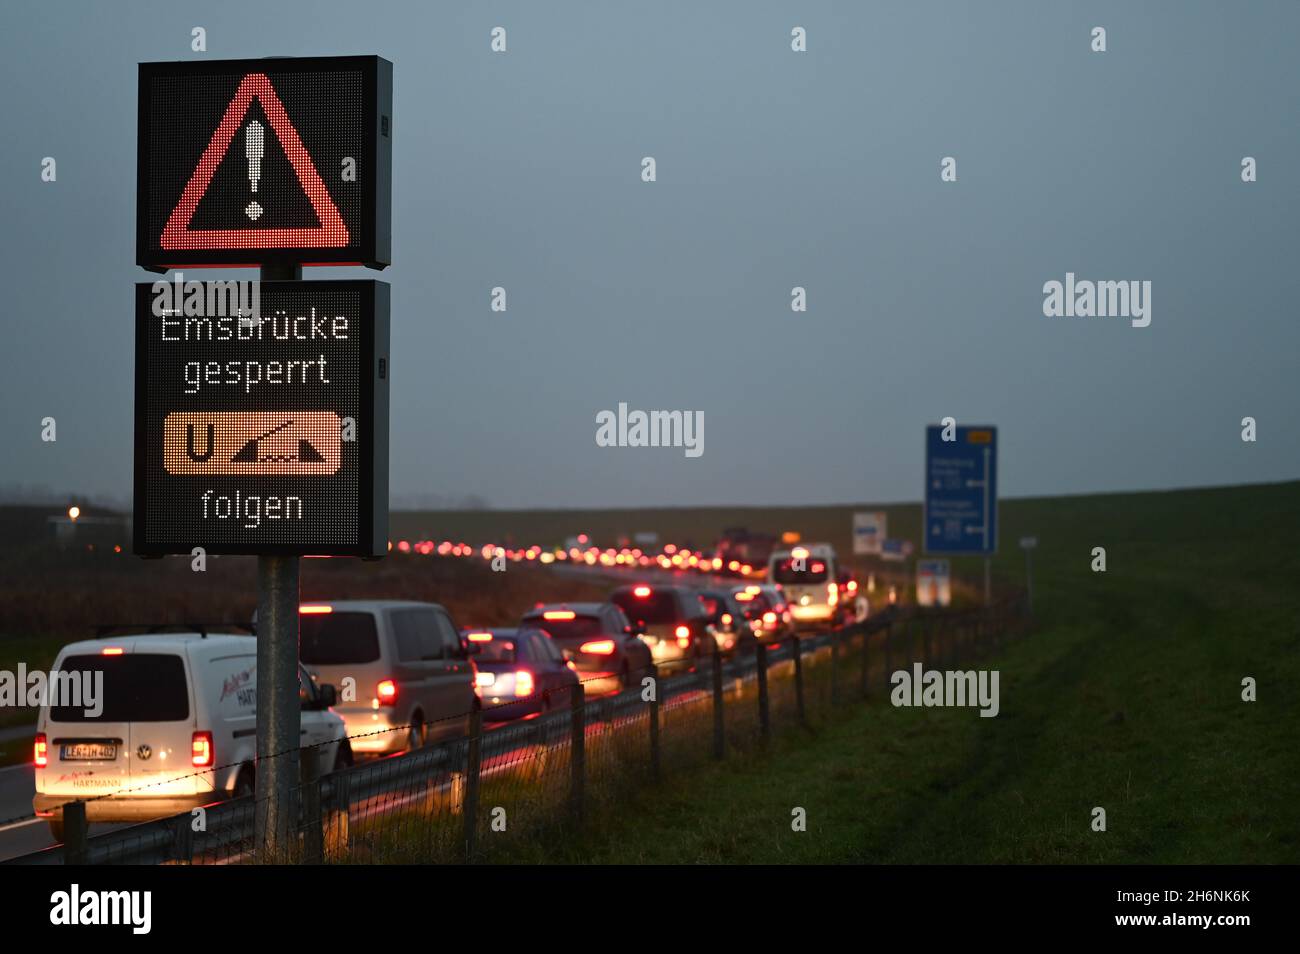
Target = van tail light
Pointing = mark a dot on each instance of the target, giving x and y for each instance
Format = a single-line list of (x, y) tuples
[(641, 592), (598, 647), (832, 594), (40, 751), (387, 692), (201, 750), (683, 634), (523, 683), (485, 679)]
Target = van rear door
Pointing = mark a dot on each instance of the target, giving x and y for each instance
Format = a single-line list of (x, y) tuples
[(140, 723)]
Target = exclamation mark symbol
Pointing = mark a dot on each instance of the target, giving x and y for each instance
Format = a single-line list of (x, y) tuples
[(253, 146)]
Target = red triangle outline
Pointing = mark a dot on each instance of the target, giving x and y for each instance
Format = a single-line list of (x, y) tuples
[(332, 232)]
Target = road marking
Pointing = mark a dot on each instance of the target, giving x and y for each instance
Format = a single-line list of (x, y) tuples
[(22, 824)]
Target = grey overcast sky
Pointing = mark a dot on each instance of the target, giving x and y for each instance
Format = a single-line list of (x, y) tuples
[(775, 169)]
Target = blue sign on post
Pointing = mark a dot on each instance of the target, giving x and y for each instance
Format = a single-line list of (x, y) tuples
[(961, 490)]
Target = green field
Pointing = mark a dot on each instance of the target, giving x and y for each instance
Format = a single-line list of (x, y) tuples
[(1125, 695)]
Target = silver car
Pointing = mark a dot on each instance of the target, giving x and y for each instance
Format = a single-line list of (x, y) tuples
[(403, 676)]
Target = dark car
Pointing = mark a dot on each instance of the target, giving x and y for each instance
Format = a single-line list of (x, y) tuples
[(671, 620), (765, 611), (599, 640), (520, 672), (731, 627)]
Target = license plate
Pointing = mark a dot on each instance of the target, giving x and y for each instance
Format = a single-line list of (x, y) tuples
[(89, 751)]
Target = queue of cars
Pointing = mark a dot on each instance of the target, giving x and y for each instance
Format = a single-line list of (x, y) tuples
[(177, 728)]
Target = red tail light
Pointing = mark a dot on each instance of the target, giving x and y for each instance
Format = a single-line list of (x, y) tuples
[(600, 647), (523, 683), (641, 591), (559, 614), (387, 692), (40, 751), (769, 618), (201, 750), (314, 610), (832, 594), (479, 637), (683, 634)]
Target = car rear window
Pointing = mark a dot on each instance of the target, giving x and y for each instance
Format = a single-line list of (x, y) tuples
[(580, 627), (814, 571), (137, 687), (497, 650), (660, 606), (332, 639)]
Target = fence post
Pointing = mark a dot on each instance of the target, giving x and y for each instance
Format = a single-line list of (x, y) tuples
[(473, 763), (313, 838), (835, 659), (797, 651), (337, 818), (889, 640), (719, 735), (75, 832), (655, 766), (183, 839), (764, 713), (866, 662), (577, 753)]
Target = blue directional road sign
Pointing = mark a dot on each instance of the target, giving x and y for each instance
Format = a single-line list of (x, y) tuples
[(961, 490)]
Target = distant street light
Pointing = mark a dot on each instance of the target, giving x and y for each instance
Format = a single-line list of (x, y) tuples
[(74, 513)]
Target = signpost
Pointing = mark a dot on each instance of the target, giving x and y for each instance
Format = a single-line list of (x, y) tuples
[(263, 428), (257, 162), (933, 583), (895, 551), (869, 531), (263, 434), (961, 498)]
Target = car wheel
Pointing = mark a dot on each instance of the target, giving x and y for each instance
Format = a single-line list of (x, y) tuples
[(416, 733), (246, 783), (56, 831), (343, 757)]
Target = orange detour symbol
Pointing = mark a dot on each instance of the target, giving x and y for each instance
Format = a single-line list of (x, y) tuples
[(268, 443)]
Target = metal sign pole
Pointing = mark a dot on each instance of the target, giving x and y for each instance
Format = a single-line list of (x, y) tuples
[(278, 711), (988, 581)]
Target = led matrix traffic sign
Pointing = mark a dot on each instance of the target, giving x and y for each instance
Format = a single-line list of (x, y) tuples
[(262, 432), (272, 161)]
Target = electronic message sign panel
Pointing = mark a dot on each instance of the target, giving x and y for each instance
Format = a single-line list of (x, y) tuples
[(261, 417), (271, 161)]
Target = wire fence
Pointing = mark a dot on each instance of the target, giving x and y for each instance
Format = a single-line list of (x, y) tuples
[(469, 798)]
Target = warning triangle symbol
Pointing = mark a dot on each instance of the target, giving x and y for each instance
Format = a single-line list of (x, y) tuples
[(331, 233), (307, 453)]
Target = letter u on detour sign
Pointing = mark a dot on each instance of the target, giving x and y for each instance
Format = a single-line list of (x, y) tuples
[(262, 418)]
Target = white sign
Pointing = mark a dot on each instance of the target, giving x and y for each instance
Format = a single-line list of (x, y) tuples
[(868, 532), (933, 583), (1028, 543)]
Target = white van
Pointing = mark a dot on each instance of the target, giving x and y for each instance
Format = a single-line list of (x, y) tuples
[(176, 727), (807, 576)]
